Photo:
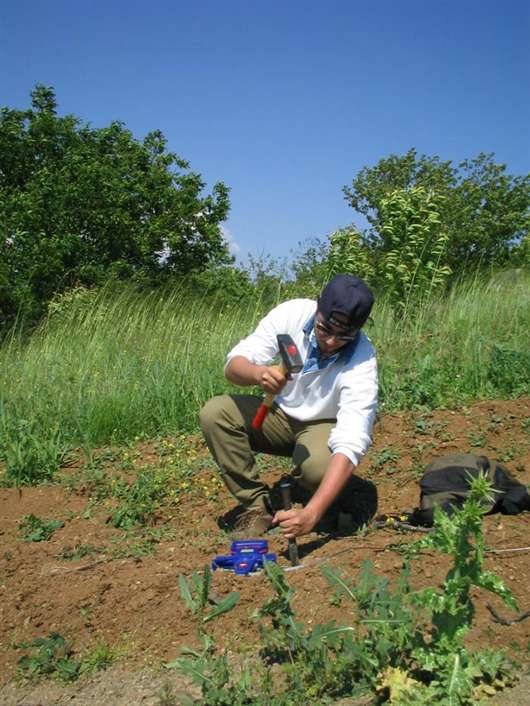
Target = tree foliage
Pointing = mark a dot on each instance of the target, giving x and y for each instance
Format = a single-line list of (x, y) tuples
[(413, 261), (409, 259), (349, 252), (80, 204), (484, 211)]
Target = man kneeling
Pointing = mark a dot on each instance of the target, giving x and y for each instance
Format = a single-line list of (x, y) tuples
[(322, 418)]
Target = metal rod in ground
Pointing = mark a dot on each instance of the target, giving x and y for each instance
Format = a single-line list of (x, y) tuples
[(292, 548)]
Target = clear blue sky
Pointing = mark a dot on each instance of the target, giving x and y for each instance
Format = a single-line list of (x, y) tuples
[(284, 101)]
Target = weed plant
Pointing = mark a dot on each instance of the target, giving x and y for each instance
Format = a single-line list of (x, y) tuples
[(79, 551), (401, 646), (140, 500), (195, 592), (48, 657), (36, 529), (53, 657), (106, 367), (100, 657), (137, 494), (138, 543)]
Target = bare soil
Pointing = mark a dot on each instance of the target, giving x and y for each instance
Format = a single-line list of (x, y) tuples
[(119, 594)]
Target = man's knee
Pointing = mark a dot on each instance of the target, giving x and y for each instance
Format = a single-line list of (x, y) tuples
[(211, 413), (311, 469)]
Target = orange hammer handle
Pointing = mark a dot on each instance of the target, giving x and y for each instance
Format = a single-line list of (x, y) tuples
[(264, 407)]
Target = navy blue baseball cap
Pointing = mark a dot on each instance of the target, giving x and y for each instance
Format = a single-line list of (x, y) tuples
[(348, 295)]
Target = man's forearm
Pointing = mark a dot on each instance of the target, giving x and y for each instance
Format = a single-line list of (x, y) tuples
[(295, 522), (241, 371), (337, 474)]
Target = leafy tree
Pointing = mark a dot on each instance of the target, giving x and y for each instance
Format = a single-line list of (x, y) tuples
[(410, 258), (310, 268), (349, 252), (484, 210), (80, 204), (230, 284)]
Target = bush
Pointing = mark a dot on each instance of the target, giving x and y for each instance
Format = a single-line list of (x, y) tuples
[(82, 205)]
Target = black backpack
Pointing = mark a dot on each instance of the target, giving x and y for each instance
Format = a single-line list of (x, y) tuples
[(446, 484)]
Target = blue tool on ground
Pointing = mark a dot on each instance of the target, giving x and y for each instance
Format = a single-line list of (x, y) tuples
[(246, 557)]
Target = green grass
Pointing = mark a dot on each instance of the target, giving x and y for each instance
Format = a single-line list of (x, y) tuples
[(473, 343), (108, 367)]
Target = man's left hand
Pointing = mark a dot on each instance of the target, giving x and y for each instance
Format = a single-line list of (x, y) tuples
[(295, 523)]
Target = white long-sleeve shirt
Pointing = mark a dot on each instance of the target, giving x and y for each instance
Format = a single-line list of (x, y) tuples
[(342, 387)]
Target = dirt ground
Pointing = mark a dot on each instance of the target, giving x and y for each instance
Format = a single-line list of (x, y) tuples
[(124, 591)]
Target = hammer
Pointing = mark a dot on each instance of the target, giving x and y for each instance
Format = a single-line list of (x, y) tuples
[(291, 363)]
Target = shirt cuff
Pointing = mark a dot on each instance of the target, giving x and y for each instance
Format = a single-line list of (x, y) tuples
[(354, 458)]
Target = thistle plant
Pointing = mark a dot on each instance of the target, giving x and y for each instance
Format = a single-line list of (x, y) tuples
[(404, 646), (461, 537), (195, 592)]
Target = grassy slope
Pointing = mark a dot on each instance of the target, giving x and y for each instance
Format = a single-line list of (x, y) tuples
[(112, 367)]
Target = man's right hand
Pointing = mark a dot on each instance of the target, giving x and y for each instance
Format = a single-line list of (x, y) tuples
[(241, 371), (271, 378)]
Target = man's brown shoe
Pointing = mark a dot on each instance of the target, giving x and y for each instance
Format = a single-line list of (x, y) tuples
[(254, 522)]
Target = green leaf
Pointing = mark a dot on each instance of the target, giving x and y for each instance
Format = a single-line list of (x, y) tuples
[(205, 586), (336, 580), (223, 607), (185, 594)]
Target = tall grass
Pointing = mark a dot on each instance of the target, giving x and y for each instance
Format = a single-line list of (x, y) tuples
[(472, 343), (110, 366)]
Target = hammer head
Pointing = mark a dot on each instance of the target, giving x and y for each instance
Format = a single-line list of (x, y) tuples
[(289, 353)]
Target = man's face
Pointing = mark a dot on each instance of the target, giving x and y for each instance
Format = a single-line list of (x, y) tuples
[(333, 335)]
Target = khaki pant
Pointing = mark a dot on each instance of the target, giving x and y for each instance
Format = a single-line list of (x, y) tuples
[(226, 424)]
